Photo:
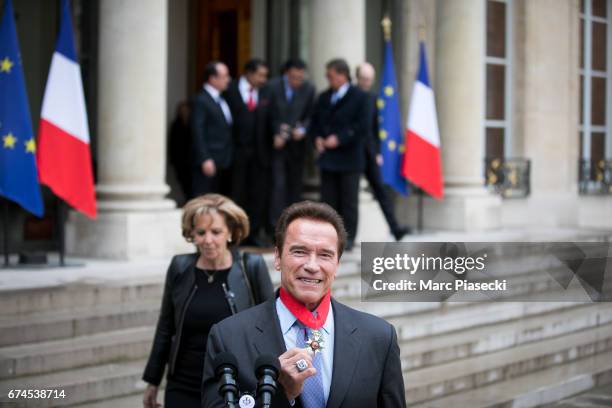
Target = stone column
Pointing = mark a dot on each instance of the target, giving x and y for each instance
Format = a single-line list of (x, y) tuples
[(134, 220), (338, 30), (459, 91), (551, 113)]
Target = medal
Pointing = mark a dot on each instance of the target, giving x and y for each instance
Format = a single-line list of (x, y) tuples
[(315, 342)]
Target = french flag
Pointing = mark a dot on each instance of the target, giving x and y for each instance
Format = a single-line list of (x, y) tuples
[(422, 164), (63, 154)]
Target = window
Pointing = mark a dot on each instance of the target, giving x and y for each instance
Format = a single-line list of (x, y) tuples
[(498, 71), (595, 87)]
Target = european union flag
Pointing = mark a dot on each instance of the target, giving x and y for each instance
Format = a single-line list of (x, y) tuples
[(18, 175), (390, 128)]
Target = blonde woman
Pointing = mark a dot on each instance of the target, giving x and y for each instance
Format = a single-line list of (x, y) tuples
[(202, 289)]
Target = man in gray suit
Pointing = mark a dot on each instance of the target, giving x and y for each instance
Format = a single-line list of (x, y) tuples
[(211, 133), (329, 354), (291, 100)]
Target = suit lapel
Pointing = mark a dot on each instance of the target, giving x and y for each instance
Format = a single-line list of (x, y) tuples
[(267, 337), (343, 100), (216, 106), (346, 354)]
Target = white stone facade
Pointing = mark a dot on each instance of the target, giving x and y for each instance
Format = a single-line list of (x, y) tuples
[(544, 83)]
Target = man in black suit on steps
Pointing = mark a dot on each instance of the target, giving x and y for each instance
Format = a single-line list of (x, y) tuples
[(338, 128), (248, 102), (291, 101), (211, 125)]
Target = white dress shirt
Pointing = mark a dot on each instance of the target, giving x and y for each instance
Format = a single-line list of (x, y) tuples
[(289, 330), (216, 95), (339, 94), (245, 88)]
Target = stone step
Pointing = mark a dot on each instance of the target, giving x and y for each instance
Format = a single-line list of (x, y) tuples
[(58, 355), (435, 318), (112, 381), (129, 401), (536, 389), (420, 319), (79, 295), (105, 347), (474, 341), (80, 385), (491, 368), (600, 396), (76, 296), (430, 319), (89, 292), (54, 325)]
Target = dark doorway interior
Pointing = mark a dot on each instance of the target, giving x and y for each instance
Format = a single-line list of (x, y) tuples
[(224, 33)]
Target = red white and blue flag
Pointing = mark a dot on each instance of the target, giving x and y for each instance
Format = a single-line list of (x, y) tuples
[(63, 154), (422, 164)]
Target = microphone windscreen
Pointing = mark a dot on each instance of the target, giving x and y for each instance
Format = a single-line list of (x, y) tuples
[(225, 359), (267, 361)]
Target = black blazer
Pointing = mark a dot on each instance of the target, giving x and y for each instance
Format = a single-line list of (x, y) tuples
[(250, 129), (348, 119), (298, 110), (366, 371), (211, 134), (373, 128), (178, 290)]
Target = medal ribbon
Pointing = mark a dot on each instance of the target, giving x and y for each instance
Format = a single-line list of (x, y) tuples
[(304, 315)]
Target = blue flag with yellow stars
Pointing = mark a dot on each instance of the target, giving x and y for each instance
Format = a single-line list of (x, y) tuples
[(18, 175), (390, 128)]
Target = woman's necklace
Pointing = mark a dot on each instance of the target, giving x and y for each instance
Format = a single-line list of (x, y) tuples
[(211, 275), (211, 272)]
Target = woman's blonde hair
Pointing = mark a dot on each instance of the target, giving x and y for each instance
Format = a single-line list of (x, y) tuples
[(235, 218)]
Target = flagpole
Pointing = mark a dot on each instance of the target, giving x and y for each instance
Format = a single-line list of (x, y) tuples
[(420, 211), (61, 224), (5, 232)]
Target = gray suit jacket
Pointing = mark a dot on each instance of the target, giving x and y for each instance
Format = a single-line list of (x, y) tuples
[(366, 372), (298, 110)]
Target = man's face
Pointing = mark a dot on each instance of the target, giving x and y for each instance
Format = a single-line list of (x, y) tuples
[(365, 80), (258, 78), (222, 79), (335, 79), (309, 260), (295, 77)]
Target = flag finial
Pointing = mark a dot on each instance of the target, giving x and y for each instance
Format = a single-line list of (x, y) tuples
[(421, 31), (386, 25)]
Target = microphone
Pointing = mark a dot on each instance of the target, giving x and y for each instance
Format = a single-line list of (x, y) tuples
[(226, 371), (266, 371)]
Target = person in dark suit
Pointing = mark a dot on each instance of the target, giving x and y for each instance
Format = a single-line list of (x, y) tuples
[(211, 125), (201, 289), (338, 128), (291, 102), (248, 102), (365, 75), (329, 354), (179, 147)]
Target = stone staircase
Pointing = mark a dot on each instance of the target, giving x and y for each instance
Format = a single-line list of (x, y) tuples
[(92, 340)]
